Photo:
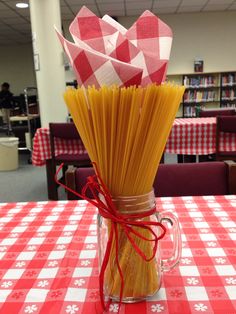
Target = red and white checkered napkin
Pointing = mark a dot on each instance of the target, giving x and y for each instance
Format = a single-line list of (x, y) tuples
[(105, 52)]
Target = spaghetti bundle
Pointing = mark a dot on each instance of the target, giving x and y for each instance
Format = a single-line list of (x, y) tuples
[(125, 131)]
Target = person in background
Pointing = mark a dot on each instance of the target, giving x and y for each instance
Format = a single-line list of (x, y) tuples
[(6, 103)]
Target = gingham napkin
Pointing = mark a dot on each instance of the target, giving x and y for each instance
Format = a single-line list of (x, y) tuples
[(105, 52)]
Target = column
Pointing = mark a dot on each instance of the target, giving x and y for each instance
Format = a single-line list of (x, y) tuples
[(48, 58)]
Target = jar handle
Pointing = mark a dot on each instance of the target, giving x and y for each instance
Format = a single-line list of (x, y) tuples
[(169, 263)]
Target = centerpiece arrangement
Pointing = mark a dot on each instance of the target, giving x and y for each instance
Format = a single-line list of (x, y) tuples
[(124, 111)]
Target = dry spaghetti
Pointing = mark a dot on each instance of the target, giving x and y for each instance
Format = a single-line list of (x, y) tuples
[(125, 131)]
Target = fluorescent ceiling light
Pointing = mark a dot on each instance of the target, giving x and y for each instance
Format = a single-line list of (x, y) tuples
[(22, 5)]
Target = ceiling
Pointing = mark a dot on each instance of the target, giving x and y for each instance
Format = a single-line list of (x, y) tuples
[(15, 23)]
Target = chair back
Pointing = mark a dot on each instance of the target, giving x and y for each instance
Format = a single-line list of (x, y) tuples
[(216, 112), (64, 139), (226, 124), (191, 179), (81, 178), (187, 179), (64, 130), (76, 179)]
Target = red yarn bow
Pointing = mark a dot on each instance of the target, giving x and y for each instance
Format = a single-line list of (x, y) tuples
[(108, 210)]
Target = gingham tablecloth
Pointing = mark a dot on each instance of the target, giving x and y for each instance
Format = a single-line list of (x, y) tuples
[(197, 136), (42, 150), (48, 259), (192, 136)]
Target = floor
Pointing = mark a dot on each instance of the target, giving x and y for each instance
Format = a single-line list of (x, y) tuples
[(28, 183)]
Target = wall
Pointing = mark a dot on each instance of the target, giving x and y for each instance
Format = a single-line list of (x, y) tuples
[(70, 76), (16, 67), (210, 36)]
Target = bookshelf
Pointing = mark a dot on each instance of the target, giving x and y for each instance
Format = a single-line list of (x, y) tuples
[(202, 90), (228, 90), (205, 90)]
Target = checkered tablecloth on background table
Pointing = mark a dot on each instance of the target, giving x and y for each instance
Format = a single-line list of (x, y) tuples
[(192, 136), (42, 150), (48, 259), (197, 136)]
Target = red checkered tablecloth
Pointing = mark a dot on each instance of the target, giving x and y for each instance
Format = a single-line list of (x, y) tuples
[(192, 136), (42, 150), (48, 259), (197, 136)]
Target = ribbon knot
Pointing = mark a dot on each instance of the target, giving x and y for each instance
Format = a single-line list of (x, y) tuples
[(127, 222)]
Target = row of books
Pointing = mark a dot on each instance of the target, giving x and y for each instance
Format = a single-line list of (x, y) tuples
[(229, 79), (192, 111), (200, 96), (229, 105), (200, 81), (228, 94)]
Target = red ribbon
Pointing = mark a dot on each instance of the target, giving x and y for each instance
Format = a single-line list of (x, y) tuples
[(108, 210)]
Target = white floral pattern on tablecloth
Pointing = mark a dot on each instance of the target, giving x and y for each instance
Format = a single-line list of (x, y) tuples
[(72, 309), (192, 281), (30, 308), (230, 281), (200, 307), (114, 308), (157, 308)]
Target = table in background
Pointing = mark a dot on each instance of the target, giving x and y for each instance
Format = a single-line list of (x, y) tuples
[(21, 118), (197, 136), (42, 149), (192, 136), (189, 136), (24, 127), (48, 259), (42, 155)]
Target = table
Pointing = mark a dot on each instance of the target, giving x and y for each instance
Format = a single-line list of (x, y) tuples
[(41, 155), (24, 117), (42, 151), (48, 259), (191, 136), (197, 136)]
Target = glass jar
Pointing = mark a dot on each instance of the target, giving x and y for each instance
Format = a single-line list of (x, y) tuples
[(142, 278)]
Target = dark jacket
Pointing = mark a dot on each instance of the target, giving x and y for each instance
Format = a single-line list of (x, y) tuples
[(6, 100)]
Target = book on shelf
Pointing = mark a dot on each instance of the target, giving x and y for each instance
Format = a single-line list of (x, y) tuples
[(229, 105), (206, 89), (228, 79), (200, 81), (192, 111), (198, 65), (228, 94), (200, 96)]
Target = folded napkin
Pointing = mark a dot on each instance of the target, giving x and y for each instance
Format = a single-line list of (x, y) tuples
[(105, 52)]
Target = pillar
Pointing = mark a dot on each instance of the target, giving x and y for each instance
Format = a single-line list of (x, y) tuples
[(48, 57)]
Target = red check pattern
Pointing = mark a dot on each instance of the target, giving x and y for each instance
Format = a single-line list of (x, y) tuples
[(42, 150), (197, 136), (97, 69), (106, 53), (48, 259), (193, 136)]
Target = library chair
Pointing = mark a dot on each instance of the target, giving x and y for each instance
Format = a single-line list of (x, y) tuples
[(188, 179), (65, 132), (225, 124), (203, 113), (196, 179)]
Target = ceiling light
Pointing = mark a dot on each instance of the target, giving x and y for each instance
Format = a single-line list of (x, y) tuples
[(22, 5)]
